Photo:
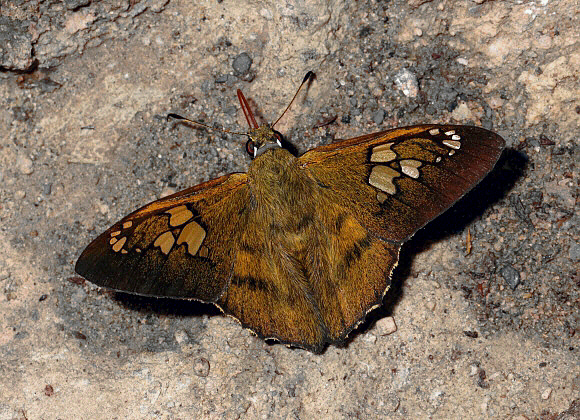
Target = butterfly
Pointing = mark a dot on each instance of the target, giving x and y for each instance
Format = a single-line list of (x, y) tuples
[(298, 249)]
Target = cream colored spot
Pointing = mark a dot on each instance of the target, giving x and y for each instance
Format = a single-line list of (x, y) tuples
[(192, 234), (456, 137), (438, 159), (179, 215), (452, 143), (165, 242), (203, 252), (434, 131), (383, 153), (124, 251), (116, 233), (381, 197), (138, 250), (382, 178), (451, 152), (119, 244), (410, 167), (127, 225), (112, 241), (450, 132)]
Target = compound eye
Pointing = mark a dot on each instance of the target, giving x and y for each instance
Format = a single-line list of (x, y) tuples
[(250, 147), (278, 138)]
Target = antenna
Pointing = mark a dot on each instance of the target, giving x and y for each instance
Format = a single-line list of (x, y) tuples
[(179, 117), (247, 111), (309, 76)]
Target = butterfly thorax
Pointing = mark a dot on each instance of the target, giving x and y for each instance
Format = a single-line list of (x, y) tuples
[(283, 193)]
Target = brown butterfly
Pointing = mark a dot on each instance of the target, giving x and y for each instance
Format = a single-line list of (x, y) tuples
[(297, 249)]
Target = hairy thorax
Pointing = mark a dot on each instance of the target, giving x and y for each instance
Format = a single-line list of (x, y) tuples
[(284, 195)]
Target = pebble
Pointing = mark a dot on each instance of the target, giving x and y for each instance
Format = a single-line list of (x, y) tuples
[(369, 338), (407, 82), (47, 188), (546, 393), (473, 369), (24, 165), (242, 63), (386, 326), (510, 275), (379, 116), (462, 112)]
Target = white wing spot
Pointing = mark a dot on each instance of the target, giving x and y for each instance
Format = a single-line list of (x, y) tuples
[(434, 131), (127, 225), (165, 242), (456, 137), (193, 235), (179, 215), (383, 153), (117, 246), (382, 177), (450, 132), (410, 167), (452, 143)]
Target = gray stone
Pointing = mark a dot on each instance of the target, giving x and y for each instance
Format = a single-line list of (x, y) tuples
[(511, 276), (379, 116), (242, 64)]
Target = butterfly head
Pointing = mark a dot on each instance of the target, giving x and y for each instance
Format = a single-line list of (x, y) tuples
[(262, 139)]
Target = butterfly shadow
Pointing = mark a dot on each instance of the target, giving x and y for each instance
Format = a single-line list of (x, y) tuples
[(493, 188), (181, 308)]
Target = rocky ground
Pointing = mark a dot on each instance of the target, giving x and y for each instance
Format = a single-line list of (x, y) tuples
[(486, 332)]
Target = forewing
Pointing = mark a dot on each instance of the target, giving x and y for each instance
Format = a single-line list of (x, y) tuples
[(398, 180), (180, 246)]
